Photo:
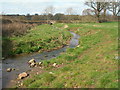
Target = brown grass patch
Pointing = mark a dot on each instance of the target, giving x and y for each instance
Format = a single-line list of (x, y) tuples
[(15, 29)]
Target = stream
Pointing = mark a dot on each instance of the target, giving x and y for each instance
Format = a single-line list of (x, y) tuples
[(20, 62)]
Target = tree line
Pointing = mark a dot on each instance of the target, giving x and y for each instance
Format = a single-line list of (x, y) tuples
[(100, 11)]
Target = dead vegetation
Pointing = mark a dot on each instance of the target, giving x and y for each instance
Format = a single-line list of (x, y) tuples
[(10, 28)]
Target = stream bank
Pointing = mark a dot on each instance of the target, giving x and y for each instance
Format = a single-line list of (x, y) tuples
[(20, 63)]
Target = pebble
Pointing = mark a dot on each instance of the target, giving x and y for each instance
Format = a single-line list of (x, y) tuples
[(117, 57), (22, 75), (54, 65), (9, 70)]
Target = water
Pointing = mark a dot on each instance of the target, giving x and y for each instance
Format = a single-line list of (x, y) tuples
[(74, 41), (20, 63)]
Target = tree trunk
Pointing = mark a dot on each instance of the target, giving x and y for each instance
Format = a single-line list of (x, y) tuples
[(98, 17), (104, 14)]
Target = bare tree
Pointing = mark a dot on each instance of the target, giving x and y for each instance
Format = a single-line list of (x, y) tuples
[(49, 11), (96, 6), (114, 7), (105, 9), (89, 12), (69, 11)]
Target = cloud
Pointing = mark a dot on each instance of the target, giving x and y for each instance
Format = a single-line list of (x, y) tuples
[(42, 1), (19, 7)]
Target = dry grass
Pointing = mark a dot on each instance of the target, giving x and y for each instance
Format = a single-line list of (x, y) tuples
[(15, 29)]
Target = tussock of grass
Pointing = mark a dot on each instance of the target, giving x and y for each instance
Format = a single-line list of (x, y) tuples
[(90, 65)]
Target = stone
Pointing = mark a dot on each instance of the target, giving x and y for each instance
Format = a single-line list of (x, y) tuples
[(65, 26), (54, 65), (78, 46), (32, 64), (12, 81), (3, 58), (51, 73), (21, 84), (40, 63), (17, 69), (13, 69), (31, 61), (9, 70), (117, 57), (22, 75)]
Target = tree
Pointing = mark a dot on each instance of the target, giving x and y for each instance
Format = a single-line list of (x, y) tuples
[(114, 7), (97, 7), (35, 17), (49, 11), (36, 14), (88, 12), (59, 16), (50, 16), (28, 16), (69, 11)]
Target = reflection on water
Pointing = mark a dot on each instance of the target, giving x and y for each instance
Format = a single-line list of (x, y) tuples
[(20, 63)]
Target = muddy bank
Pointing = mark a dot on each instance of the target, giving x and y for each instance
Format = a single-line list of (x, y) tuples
[(20, 63)]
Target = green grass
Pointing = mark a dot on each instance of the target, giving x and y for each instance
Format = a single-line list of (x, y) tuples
[(90, 65), (40, 38)]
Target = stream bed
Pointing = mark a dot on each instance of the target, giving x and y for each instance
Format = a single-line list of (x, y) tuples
[(20, 62)]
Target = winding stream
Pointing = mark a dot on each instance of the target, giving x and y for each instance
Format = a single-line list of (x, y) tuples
[(20, 63)]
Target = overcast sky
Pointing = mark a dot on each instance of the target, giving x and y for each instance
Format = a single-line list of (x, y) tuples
[(38, 6)]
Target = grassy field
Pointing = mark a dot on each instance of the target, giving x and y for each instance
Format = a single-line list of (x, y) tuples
[(92, 64), (40, 38)]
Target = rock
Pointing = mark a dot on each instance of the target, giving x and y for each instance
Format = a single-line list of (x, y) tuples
[(12, 81), (37, 73), (54, 65), (65, 26), (117, 57), (3, 58), (31, 61), (40, 63), (46, 56), (22, 75), (51, 73), (13, 69), (78, 46), (9, 70), (32, 64), (17, 69), (18, 82), (21, 84), (40, 67)]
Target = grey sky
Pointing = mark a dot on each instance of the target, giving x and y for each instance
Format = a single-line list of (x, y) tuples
[(38, 6)]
